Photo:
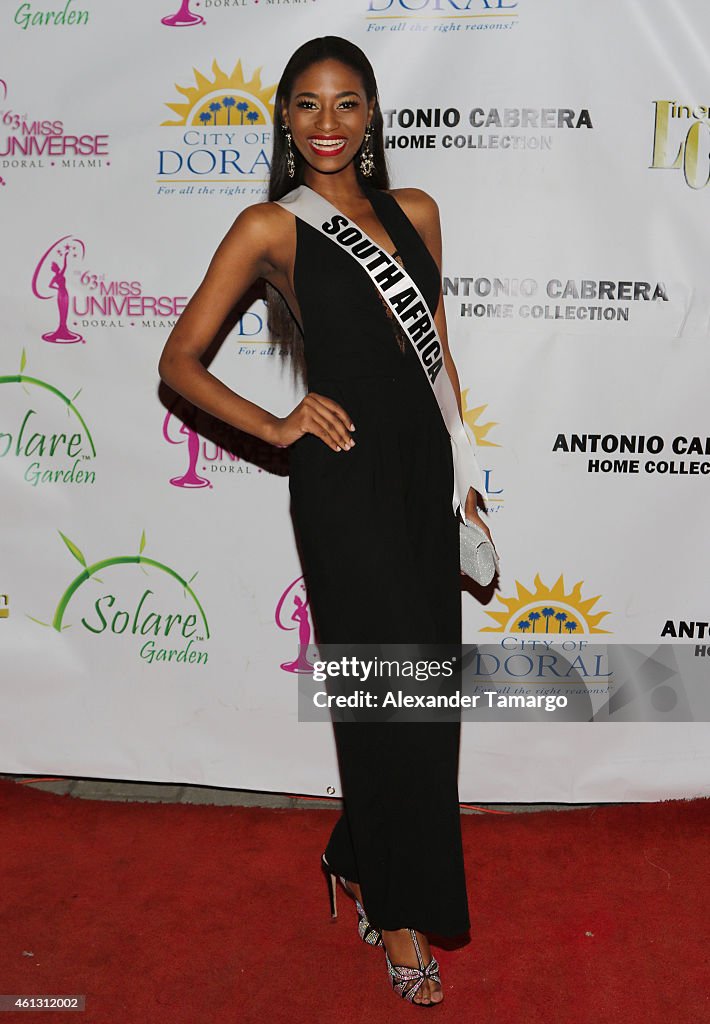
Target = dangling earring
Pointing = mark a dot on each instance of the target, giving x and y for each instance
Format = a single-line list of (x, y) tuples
[(290, 161), (367, 160)]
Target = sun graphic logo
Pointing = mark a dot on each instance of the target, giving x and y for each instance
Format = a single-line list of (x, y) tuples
[(226, 125), (140, 598), (547, 610), (471, 417), (479, 430), (224, 100)]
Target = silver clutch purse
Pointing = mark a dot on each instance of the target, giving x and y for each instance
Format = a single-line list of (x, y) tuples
[(478, 557)]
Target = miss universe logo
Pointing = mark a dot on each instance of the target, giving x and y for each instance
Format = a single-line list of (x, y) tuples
[(291, 613), (35, 142), (183, 17), (202, 456), (50, 281), (87, 296)]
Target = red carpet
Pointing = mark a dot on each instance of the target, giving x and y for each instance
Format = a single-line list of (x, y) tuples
[(179, 913)]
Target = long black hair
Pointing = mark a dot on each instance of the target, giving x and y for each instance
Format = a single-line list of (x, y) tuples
[(282, 327)]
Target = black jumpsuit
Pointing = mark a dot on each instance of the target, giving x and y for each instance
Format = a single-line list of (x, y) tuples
[(379, 544)]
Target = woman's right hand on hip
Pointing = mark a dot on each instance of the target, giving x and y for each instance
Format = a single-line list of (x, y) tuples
[(319, 415)]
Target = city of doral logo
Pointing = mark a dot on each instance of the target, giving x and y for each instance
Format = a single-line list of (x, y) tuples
[(681, 141), (478, 430), (43, 432), (466, 10), (222, 132), (140, 602), (547, 611)]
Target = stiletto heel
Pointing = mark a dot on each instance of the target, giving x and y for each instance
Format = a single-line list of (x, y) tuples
[(367, 932), (332, 887), (401, 975)]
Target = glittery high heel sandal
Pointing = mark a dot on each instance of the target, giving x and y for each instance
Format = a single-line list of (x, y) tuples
[(403, 976), (367, 932)]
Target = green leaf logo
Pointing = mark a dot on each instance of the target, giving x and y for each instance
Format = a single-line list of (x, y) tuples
[(39, 621), (73, 548)]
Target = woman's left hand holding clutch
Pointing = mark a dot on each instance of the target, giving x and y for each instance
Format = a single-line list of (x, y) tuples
[(473, 515)]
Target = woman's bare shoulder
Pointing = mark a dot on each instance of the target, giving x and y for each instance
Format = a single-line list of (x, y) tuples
[(261, 228), (264, 218), (421, 208)]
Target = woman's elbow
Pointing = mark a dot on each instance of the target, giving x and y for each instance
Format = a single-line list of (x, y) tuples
[(165, 364)]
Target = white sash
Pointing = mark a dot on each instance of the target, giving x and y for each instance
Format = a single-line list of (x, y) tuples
[(407, 303)]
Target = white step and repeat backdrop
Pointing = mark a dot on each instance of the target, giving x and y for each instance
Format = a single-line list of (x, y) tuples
[(152, 600)]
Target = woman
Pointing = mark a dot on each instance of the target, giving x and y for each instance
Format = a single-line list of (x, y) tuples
[(371, 479)]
